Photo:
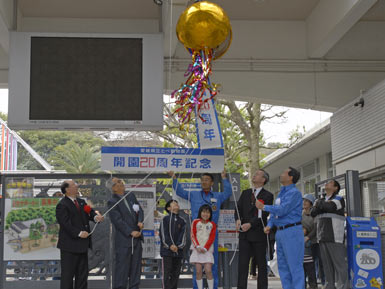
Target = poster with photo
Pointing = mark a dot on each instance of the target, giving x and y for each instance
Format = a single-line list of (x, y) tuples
[(30, 229)]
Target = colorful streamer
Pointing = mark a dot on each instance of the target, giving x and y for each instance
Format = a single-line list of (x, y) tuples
[(190, 94)]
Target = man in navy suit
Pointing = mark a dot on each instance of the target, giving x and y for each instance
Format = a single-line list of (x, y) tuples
[(74, 239), (127, 218)]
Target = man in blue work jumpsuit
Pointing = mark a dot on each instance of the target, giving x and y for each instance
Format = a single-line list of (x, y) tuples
[(286, 215), (202, 197)]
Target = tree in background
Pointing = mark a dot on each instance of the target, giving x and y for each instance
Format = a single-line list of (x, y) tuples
[(172, 135), (241, 130), (74, 158), (3, 116), (49, 144)]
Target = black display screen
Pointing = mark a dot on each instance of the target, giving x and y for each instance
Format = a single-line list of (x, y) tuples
[(86, 78)]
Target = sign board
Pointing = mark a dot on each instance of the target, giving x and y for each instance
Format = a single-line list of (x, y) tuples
[(146, 196), (208, 129), (19, 187), (227, 231), (30, 229), (146, 159)]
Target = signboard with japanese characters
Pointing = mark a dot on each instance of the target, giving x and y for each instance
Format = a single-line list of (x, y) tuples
[(145, 159), (19, 187), (30, 229), (189, 187), (148, 244), (235, 180), (208, 129), (227, 237), (146, 196)]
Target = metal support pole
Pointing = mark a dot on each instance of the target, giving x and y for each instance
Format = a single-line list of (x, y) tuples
[(353, 194)]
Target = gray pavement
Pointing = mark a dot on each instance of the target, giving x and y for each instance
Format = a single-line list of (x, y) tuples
[(274, 283)]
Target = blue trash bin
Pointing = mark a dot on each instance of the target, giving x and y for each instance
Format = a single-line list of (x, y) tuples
[(364, 253)]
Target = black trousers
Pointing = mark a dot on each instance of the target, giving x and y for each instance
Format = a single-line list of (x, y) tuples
[(73, 265), (246, 251), (171, 271), (315, 249), (253, 267), (309, 269)]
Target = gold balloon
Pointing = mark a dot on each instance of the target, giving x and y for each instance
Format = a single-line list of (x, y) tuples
[(203, 25), (223, 47)]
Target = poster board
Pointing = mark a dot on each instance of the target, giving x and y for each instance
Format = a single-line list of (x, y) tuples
[(227, 237), (146, 196), (30, 229)]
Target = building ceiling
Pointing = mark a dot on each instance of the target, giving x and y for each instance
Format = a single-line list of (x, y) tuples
[(147, 9), (314, 54), (281, 10)]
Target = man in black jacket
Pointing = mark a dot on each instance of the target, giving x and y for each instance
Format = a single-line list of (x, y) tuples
[(251, 221), (330, 218), (172, 241), (127, 218), (74, 239)]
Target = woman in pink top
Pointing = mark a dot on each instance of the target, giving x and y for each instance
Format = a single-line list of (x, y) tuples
[(203, 237)]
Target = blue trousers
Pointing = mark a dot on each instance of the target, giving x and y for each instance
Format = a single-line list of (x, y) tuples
[(290, 251), (214, 268)]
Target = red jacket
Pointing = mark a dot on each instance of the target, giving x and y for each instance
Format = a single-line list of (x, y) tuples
[(203, 234)]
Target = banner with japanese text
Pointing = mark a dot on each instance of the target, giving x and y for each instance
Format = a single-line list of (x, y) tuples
[(145, 159), (208, 128)]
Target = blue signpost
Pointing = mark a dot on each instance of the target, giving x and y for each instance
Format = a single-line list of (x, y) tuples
[(364, 253)]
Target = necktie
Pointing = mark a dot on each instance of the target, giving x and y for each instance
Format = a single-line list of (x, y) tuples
[(77, 204)]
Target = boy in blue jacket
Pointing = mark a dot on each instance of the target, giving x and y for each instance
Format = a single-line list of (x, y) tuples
[(172, 241)]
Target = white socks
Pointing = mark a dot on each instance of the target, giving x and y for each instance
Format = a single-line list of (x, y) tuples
[(200, 284), (210, 283)]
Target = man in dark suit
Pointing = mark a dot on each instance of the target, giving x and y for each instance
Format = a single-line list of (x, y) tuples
[(127, 218), (252, 239), (74, 239)]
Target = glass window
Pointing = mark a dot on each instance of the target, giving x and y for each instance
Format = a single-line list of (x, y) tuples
[(373, 199), (309, 169), (309, 186)]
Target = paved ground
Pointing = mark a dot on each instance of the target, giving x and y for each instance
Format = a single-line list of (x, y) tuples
[(274, 283)]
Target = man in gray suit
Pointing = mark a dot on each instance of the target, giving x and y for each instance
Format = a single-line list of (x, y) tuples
[(127, 218)]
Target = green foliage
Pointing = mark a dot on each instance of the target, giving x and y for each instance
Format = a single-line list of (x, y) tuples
[(48, 214), (76, 159), (173, 136), (234, 142), (3, 116), (161, 203), (45, 143), (296, 134)]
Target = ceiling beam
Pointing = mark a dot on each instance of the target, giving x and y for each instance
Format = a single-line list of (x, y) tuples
[(330, 20), (7, 8)]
